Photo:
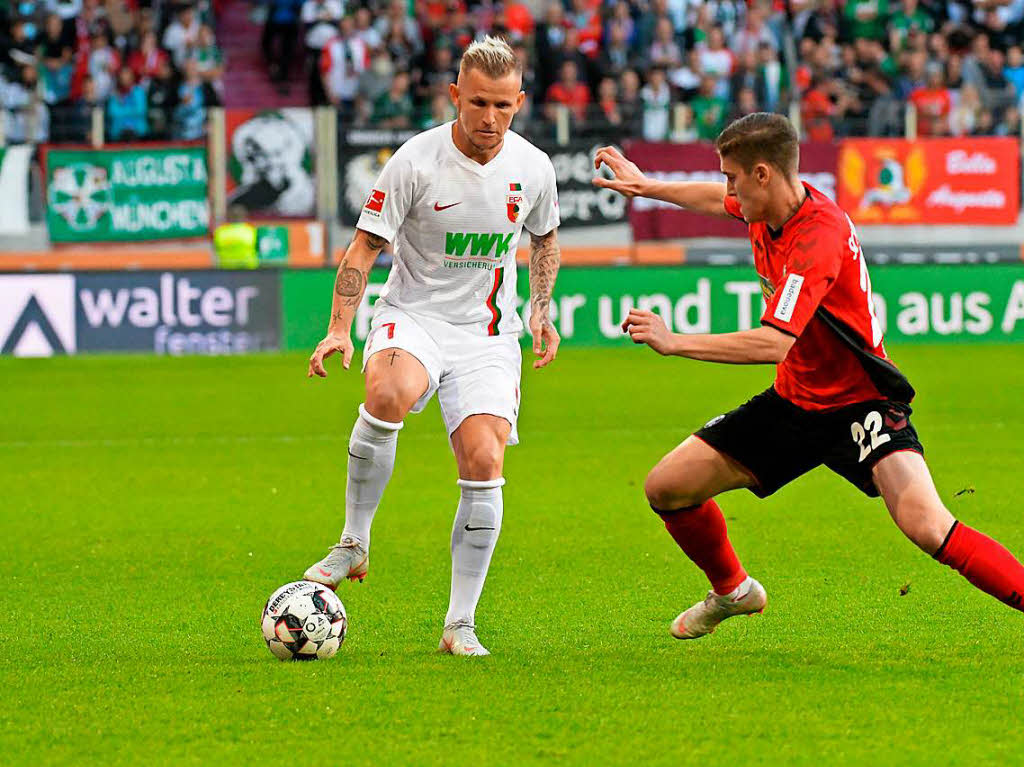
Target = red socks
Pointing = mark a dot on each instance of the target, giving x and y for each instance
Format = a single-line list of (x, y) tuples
[(985, 563), (701, 534)]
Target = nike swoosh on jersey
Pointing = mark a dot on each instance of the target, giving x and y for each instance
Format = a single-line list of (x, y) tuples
[(438, 207)]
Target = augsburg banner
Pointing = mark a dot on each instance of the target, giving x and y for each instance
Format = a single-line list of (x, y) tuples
[(913, 303), (126, 193), (930, 181)]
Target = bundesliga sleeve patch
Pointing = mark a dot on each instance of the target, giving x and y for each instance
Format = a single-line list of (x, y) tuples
[(787, 301), (375, 202)]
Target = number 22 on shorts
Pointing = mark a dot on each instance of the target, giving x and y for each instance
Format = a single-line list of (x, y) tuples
[(872, 425)]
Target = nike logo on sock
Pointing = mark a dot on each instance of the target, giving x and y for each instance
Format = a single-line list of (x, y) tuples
[(361, 458), (471, 529)]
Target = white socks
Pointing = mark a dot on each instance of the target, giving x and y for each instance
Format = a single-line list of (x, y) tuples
[(371, 459), (474, 534)]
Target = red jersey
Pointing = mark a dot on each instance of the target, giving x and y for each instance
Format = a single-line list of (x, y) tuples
[(814, 261)]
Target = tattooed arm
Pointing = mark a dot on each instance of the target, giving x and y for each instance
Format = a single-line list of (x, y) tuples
[(349, 286), (545, 257)]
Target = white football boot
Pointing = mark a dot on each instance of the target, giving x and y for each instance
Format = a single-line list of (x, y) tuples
[(704, 616), (345, 560), (460, 639)]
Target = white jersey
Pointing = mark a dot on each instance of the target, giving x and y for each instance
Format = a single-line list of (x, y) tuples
[(455, 225)]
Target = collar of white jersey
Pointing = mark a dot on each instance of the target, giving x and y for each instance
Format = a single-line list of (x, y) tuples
[(470, 164)]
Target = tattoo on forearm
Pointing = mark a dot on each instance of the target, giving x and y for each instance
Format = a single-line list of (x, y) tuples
[(349, 284), (545, 257)]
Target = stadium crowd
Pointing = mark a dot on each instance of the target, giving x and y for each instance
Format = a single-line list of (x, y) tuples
[(622, 66), (152, 68)]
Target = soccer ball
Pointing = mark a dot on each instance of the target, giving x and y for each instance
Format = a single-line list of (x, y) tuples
[(304, 621)]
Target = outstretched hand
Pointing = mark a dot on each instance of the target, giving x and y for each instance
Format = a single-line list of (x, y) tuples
[(628, 179), (646, 327), (342, 344)]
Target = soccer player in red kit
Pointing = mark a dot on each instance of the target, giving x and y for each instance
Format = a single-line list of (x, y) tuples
[(837, 400)]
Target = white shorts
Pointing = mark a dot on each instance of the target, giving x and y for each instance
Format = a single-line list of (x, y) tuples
[(471, 374)]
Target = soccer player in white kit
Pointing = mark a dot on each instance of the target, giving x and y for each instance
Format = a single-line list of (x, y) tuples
[(454, 201)]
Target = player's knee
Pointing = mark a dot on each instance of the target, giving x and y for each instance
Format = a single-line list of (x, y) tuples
[(924, 524), (481, 460), (667, 493), (388, 400)]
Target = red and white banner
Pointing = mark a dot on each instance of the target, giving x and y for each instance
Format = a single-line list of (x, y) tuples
[(930, 181), (656, 220)]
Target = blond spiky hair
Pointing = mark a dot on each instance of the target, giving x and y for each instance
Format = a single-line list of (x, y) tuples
[(492, 56)]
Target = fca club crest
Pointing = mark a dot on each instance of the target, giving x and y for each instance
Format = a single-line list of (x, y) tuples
[(513, 201)]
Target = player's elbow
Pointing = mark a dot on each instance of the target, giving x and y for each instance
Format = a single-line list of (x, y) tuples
[(779, 344)]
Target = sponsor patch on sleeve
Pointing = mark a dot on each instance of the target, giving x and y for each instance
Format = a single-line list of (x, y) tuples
[(375, 203), (787, 301)]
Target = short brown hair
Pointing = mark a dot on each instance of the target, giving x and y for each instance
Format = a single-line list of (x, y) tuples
[(761, 137), (492, 56)]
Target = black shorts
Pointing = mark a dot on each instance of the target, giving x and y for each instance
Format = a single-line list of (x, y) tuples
[(776, 441)]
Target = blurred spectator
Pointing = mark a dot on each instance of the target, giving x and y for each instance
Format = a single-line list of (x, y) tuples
[(1014, 70), (65, 9), (161, 99), (549, 41), (365, 31), (966, 115), (772, 79), (55, 61), (19, 49), (608, 115), (586, 20), (657, 105), (320, 19), (181, 34), (910, 18), (687, 77), (933, 103), (441, 111), (866, 18), (746, 103), (190, 113), (616, 55), (398, 19), (25, 116), (148, 59), (210, 64), (341, 63), (710, 111), (664, 51), (72, 121), (104, 62), (126, 108), (568, 91), (754, 34), (394, 109), (630, 103), (816, 111), (280, 33), (717, 61), (996, 91)]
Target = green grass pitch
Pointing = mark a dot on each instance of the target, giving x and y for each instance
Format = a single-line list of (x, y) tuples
[(150, 506)]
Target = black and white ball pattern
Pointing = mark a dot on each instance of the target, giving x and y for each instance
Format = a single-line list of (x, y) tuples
[(304, 621)]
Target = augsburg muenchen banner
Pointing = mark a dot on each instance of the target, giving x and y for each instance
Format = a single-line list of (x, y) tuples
[(126, 194)]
